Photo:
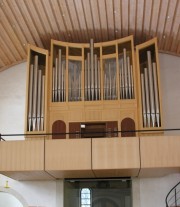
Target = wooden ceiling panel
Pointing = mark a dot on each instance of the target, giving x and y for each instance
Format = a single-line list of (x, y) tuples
[(25, 22), (110, 19), (132, 17), (139, 20), (148, 5), (10, 44), (125, 18), (88, 18), (162, 22), (103, 19), (29, 24), (81, 19), (96, 21)]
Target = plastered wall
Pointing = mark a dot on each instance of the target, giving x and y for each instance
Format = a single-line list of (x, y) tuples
[(147, 192)]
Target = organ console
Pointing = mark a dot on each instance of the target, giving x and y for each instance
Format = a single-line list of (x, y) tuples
[(97, 84)]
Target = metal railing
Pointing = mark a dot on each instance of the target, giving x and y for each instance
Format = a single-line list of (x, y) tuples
[(173, 197)]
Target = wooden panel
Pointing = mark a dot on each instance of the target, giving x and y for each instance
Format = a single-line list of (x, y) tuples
[(159, 155), (115, 157), (68, 158), (128, 126), (75, 129), (59, 127), (23, 160), (111, 128)]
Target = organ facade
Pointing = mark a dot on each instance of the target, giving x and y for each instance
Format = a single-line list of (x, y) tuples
[(106, 89)]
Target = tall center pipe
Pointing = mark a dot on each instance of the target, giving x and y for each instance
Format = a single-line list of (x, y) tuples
[(92, 67)]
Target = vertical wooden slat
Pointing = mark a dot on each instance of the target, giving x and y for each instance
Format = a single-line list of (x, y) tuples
[(125, 17), (29, 23), (15, 9), (117, 18), (81, 20), (110, 18), (132, 16), (175, 29), (88, 18), (36, 21), (147, 19), (10, 44), (96, 21), (173, 8), (43, 21), (59, 19), (103, 19), (73, 18), (139, 20), (12, 34), (163, 37), (48, 12), (161, 22), (7, 51)]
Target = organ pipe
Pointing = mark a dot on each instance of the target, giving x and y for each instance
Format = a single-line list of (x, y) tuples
[(30, 97), (36, 97), (151, 88), (143, 100), (126, 76), (58, 78), (34, 117), (147, 97), (157, 111), (92, 75), (150, 96)]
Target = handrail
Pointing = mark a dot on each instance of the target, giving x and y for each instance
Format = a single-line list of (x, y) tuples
[(2, 138), (175, 196)]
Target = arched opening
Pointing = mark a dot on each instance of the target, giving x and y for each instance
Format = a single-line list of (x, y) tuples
[(85, 196), (128, 128), (11, 198), (59, 130)]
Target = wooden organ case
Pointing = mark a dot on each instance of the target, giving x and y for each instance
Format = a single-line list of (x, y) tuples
[(92, 90), (36, 91), (150, 108)]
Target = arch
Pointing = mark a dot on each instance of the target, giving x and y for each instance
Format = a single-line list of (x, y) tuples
[(59, 126), (15, 194), (85, 197), (128, 126), (105, 202)]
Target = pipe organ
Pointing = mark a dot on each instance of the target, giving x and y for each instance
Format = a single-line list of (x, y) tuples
[(36, 97), (93, 84), (150, 108)]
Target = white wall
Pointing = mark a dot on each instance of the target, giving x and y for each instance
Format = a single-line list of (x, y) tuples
[(147, 192), (12, 100)]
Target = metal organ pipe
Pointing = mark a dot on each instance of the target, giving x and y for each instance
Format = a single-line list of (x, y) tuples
[(36, 97), (59, 75), (42, 103), (143, 100), (126, 76), (147, 97), (30, 98), (39, 100), (34, 113), (151, 88), (58, 93), (92, 75), (151, 94), (157, 111)]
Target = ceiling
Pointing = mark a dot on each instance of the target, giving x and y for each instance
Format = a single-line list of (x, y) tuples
[(38, 21)]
